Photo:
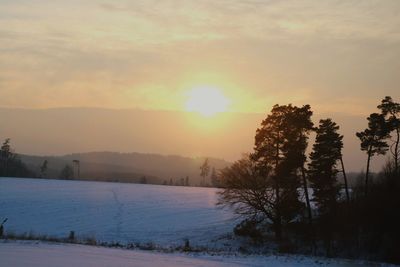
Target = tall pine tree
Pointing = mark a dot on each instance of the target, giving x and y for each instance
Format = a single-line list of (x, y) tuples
[(279, 150), (391, 111), (322, 168), (373, 140), (323, 174)]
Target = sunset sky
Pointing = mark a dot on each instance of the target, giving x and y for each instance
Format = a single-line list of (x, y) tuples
[(335, 55), (341, 57)]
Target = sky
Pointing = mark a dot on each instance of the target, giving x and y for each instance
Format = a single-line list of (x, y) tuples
[(341, 57)]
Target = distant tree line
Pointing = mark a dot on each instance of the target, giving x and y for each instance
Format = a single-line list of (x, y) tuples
[(178, 182), (280, 190), (10, 164)]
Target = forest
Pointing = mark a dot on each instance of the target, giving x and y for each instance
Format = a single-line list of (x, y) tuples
[(295, 201)]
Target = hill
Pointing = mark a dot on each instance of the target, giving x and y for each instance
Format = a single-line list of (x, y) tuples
[(126, 167)]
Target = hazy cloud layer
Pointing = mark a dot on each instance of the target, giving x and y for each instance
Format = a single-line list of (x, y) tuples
[(336, 55)]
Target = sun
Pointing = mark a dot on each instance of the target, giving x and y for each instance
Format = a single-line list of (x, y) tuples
[(206, 100)]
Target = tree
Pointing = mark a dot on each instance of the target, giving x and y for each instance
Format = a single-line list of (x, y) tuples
[(43, 169), (248, 191), (279, 152), (6, 156), (327, 151), (76, 165), (391, 111), (346, 185), (143, 180), (373, 140), (214, 178), (10, 164), (300, 119), (204, 171), (67, 172)]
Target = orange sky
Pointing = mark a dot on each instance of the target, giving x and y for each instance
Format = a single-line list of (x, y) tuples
[(335, 55), (341, 57)]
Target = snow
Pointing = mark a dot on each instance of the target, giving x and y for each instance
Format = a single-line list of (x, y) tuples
[(33, 254), (127, 213)]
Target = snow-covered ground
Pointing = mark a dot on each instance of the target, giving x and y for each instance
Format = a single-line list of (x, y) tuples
[(21, 254), (125, 213), (164, 215)]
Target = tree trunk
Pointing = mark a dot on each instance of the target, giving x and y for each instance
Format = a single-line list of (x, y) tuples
[(310, 219), (367, 172), (396, 152), (278, 223), (306, 194), (346, 187)]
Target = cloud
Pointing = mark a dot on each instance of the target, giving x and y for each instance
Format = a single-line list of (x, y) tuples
[(142, 53)]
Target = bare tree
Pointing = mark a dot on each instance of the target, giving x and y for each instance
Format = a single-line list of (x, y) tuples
[(247, 191)]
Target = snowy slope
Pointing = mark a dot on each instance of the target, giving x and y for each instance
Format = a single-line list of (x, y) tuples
[(62, 255), (165, 215)]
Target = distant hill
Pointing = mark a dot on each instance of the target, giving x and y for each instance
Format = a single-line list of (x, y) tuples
[(126, 167)]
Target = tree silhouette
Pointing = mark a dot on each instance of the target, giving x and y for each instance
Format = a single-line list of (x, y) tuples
[(43, 169), (300, 119), (204, 171), (346, 185), (6, 156), (214, 178), (248, 191), (279, 151), (10, 164), (67, 172), (327, 151), (77, 166), (373, 140), (391, 111)]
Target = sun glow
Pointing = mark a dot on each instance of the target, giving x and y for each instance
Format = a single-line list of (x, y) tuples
[(207, 101)]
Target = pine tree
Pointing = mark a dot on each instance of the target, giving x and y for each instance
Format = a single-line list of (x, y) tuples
[(373, 140), (323, 166), (5, 157), (327, 152), (67, 172), (391, 111), (279, 151)]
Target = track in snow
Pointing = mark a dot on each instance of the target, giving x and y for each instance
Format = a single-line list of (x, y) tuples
[(165, 215)]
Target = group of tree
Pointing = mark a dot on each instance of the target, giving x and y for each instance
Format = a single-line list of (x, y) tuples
[(205, 173), (280, 189), (10, 164), (178, 182), (67, 173)]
